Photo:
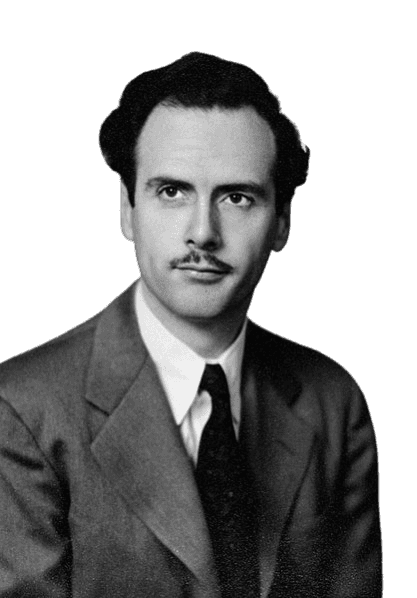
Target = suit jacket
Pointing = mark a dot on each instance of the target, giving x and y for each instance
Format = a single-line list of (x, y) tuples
[(98, 498)]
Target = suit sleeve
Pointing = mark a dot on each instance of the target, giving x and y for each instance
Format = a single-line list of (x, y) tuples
[(35, 550), (357, 572), (336, 552)]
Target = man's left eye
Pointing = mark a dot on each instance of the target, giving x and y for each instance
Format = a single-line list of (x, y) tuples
[(240, 200)]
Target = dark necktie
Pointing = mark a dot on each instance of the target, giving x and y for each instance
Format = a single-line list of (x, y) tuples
[(226, 494)]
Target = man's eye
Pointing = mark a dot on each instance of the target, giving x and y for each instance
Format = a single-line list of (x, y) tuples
[(170, 192), (240, 200)]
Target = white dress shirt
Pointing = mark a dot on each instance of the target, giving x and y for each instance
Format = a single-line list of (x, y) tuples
[(180, 370)]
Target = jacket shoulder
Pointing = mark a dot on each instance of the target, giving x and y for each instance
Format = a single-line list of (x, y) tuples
[(323, 393), (305, 363), (53, 373), (47, 360), (323, 390)]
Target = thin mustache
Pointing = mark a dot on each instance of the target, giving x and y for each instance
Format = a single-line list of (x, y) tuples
[(197, 258)]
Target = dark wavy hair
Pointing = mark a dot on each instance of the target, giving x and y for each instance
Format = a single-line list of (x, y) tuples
[(201, 81)]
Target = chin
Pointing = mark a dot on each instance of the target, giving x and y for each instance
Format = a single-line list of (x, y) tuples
[(202, 312), (198, 310), (199, 305)]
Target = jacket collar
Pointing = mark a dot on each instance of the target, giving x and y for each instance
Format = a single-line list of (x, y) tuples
[(118, 353)]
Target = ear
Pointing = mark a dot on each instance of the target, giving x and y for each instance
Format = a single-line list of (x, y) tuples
[(126, 213), (282, 229)]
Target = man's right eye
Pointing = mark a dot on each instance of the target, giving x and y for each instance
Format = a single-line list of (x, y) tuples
[(169, 192)]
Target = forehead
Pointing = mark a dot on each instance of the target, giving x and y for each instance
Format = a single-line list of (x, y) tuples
[(213, 142)]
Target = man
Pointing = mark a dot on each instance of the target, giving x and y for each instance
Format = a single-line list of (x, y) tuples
[(169, 447)]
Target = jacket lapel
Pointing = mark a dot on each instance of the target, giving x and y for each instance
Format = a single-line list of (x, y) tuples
[(139, 447), (278, 443)]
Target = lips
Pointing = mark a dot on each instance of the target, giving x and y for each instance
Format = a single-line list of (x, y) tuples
[(203, 269)]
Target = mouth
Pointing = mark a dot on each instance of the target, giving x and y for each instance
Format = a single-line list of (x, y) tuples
[(200, 272), (203, 264), (209, 269)]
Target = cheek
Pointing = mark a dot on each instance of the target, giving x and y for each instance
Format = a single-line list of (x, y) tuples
[(156, 239), (254, 244), (158, 226)]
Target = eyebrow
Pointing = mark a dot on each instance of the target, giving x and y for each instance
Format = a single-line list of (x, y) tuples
[(249, 187)]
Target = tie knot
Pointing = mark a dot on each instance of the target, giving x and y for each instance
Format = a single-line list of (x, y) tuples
[(214, 380)]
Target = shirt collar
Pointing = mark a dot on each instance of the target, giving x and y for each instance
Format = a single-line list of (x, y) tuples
[(179, 367)]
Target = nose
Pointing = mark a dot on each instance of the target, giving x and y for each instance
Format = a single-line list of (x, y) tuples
[(203, 229)]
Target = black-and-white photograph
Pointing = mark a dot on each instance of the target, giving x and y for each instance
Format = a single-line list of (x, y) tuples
[(207, 310)]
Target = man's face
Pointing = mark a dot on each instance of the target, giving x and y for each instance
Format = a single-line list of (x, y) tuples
[(204, 221)]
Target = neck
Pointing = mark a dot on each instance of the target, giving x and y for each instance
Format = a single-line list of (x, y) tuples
[(209, 341), (207, 338)]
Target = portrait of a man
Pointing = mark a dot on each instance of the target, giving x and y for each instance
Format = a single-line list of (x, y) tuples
[(169, 446)]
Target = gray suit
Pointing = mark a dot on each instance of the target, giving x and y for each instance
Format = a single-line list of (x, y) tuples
[(98, 496)]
